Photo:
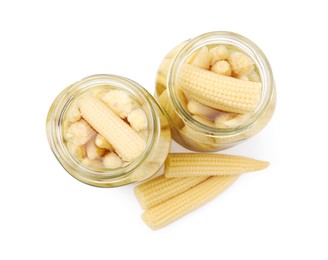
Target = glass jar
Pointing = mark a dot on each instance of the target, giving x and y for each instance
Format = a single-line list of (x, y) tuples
[(193, 132), (144, 166)]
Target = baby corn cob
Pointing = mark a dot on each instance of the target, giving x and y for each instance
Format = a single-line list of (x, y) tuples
[(161, 189), (126, 142), (182, 204), (201, 164), (218, 91)]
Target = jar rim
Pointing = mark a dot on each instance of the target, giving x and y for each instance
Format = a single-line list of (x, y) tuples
[(245, 45), (56, 141)]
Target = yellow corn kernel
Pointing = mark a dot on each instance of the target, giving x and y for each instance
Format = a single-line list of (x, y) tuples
[(201, 164), (218, 91), (172, 209), (126, 142), (161, 189)]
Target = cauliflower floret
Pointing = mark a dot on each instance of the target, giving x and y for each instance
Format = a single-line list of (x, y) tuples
[(120, 102), (79, 133), (77, 151), (138, 119), (93, 151), (73, 113), (240, 63), (112, 161), (101, 142), (94, 164)]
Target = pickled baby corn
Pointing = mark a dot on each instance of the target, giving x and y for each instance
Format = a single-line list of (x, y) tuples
[(170, 210), (161, 189), (201, 164), (126, 142), (218, 91)]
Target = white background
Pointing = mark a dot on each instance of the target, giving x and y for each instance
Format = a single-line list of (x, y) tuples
[(278, 213)]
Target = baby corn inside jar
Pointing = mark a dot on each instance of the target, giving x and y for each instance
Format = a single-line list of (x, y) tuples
[(217, 90), (108, 131)]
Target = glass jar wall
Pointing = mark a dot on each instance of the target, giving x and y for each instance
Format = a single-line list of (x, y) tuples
[(78, 140), (217, 91)]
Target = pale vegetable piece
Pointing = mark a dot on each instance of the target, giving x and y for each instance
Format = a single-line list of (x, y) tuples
[(138, 119), (92, 163), (198, 109), (243, 77), (222, 67), (172, 209), (77, 151), (254, 76), (218, 91), (79, 133), (73, 113), (226, 120), (201, 164), (240, 63), (120, 102), (161, 189), (94, 152), (203, 121), (218, 53), (126, 142), (101, 142), (112, 161), (202, 58)]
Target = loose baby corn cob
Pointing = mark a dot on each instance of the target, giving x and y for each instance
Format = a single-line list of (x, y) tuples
[(161, 189), (201, 164), (218, 91), (182, 204), (126, 142)]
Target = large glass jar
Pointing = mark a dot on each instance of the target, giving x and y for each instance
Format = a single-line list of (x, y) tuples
[(195, 132), (157, 140)]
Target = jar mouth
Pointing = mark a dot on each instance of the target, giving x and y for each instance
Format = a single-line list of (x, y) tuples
[(236, 41), (55, 127)]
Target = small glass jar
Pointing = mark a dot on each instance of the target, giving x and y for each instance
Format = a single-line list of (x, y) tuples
[(157, 142), (196, 134)]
